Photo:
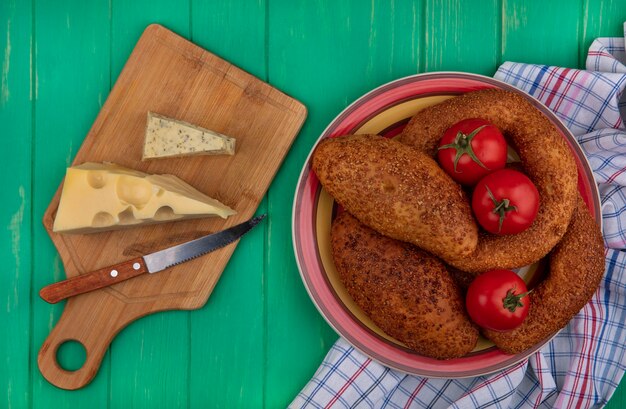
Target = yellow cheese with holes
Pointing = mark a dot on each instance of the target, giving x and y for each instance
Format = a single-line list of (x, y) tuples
[(167, 138), (106, 196)]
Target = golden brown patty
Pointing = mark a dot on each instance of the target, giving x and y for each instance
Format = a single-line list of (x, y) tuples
[(576, 268), (397, 191), (546, 160), (405, 291)]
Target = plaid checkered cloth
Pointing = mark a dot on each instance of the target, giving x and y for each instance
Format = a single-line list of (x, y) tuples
[(583, 365)]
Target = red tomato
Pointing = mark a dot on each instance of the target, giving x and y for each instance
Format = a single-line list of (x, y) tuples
[(470, 149), (505, 202), (498, 300)]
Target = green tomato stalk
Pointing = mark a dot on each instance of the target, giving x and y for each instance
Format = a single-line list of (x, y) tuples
[(500, 207), (512, 301), (463, 145)]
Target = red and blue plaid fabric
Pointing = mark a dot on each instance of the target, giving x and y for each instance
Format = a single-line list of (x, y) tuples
[(607, 55), (583, 365)]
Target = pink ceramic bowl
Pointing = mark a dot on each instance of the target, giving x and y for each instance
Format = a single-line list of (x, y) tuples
[(385, 111)]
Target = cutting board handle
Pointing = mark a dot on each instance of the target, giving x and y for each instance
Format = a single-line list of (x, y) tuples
[(77, 324), (167, 74)]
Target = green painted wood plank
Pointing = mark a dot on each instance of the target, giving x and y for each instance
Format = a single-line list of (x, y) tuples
[(530, 35), (130, 18), (71, 81), (323, 54), (227, 334), (149, 361), (326, 55), (233, 30), (602, 18), (462, 36), (15, 235), (149, 358)]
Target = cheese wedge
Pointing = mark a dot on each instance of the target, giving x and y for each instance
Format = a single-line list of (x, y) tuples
[(166, 138), (105, 196)]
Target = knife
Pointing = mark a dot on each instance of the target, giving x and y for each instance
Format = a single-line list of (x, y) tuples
[(151, 263)]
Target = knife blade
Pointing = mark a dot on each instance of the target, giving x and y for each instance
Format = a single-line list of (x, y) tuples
[(148, 264)]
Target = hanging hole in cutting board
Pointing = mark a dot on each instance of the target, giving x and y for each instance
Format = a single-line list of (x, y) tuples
[(71, 355)]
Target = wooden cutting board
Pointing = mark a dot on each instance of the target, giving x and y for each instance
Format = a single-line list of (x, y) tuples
[(171, 76)]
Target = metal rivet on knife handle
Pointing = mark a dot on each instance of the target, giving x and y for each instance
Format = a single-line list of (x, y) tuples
[(93, 281)]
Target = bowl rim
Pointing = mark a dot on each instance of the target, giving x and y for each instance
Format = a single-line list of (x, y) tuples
[(595, 198)]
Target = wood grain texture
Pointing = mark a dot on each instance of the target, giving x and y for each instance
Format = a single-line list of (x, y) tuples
[(70, 47), (259, 338), (227, 337), (169, 75), (553, 44), (15, 234), (350, 52), (602, 18), (158, 343), (462, 36)]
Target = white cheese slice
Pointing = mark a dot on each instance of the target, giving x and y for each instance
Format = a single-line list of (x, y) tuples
[(106, 196), (167, 137)]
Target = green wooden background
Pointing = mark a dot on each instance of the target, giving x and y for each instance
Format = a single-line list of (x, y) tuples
[(259, 338)]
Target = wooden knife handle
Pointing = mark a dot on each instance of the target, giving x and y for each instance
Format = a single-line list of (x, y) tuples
[(94, 280)]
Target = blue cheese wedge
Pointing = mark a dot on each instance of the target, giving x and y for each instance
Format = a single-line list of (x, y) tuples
[(167, 138), (105, 196)]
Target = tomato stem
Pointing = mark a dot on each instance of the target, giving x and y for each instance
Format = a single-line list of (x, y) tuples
[(500, 207), (512, 301), (463, 145)]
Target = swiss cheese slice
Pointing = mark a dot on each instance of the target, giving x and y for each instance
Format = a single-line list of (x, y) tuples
[(167, 137), (106, 196)]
